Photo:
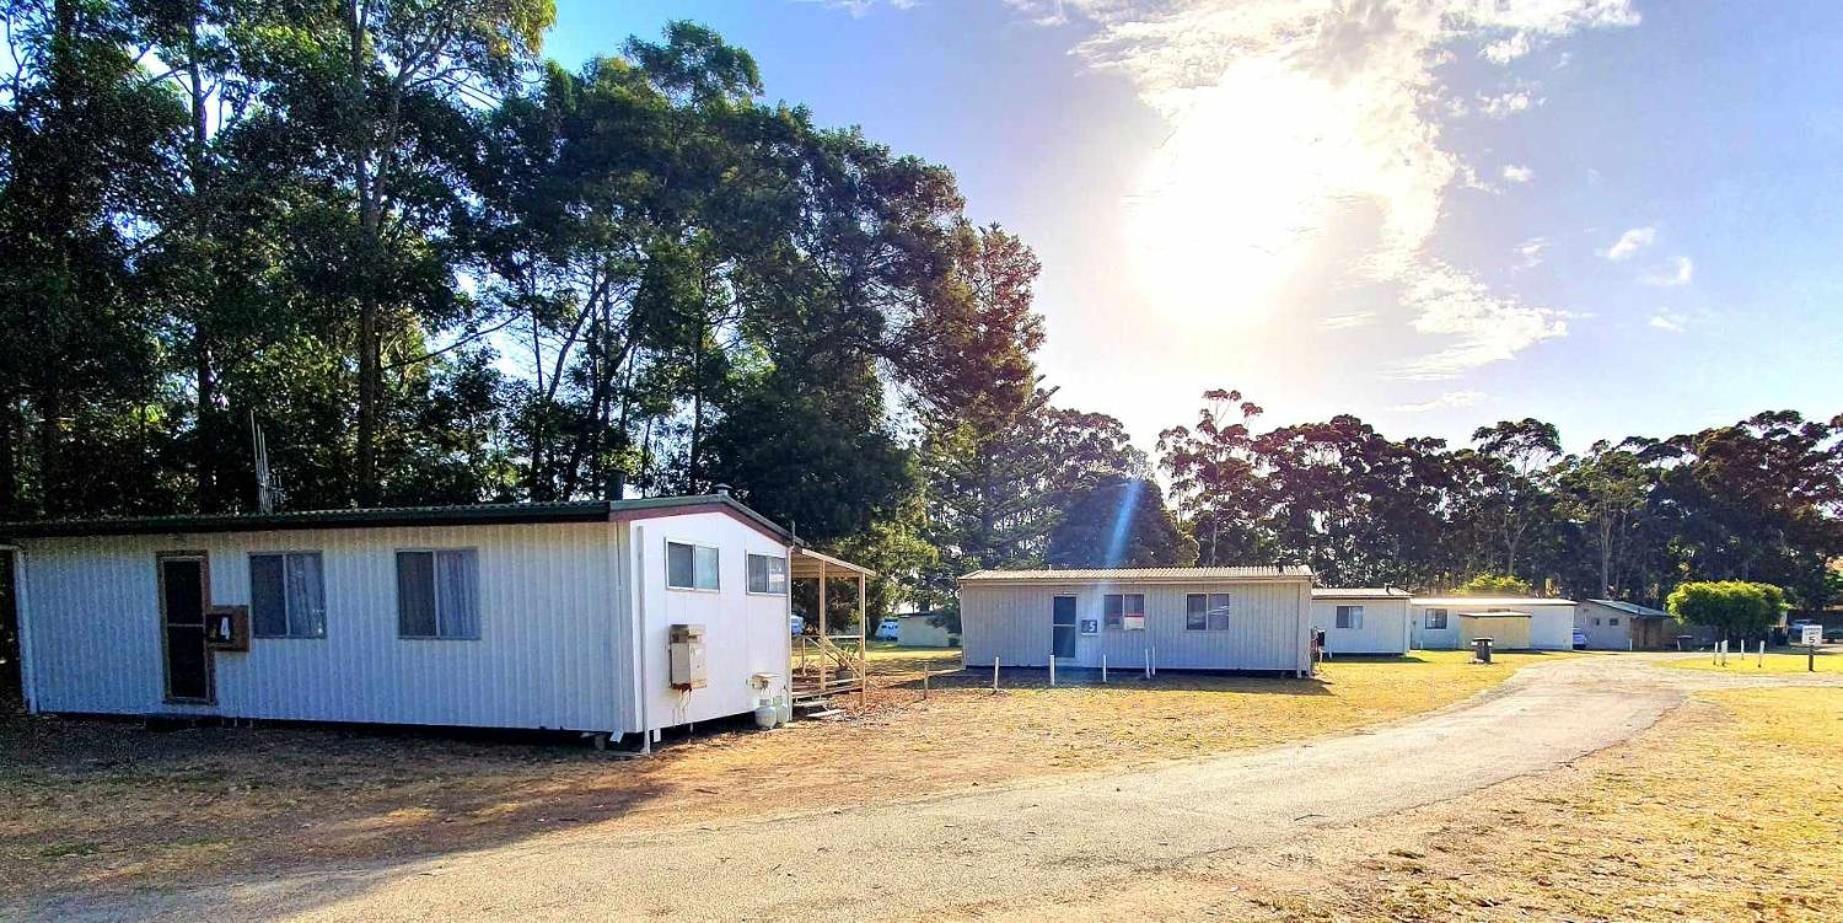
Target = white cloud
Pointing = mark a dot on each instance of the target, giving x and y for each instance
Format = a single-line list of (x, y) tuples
[(1504, 51), (1507, 104), (1529, 252), (1306, 151), (1518, 173), (1681, 270), (1348, 321), (1668, 321), (1482, 328), (1445, 400), (1629, 243)]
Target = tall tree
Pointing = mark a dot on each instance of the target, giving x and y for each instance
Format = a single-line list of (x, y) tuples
[(1119, 522)]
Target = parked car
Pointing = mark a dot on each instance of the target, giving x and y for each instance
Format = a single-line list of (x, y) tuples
[(888, 629), (1580, 640), (798, 623), (1796, 629)]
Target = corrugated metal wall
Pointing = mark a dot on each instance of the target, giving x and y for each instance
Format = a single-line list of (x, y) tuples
[(745, 633), (1384, 631), (1266, 626), (546, 656)]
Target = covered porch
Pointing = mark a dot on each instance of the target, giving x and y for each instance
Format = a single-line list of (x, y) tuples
[(828, 661)]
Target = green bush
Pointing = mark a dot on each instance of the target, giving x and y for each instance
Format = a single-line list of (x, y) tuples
[(1494, 585), (1734, 608)]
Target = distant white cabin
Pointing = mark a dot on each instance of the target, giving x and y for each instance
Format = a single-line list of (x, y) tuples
[(1362, 620), (1179, 618), (1437, 623), (1615, 625), (545, 616), (921, 629)]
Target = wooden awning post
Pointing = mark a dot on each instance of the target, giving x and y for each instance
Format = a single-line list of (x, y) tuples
[(863, 655), (824, 635)]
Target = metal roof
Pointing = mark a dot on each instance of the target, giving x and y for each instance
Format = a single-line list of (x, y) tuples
[(385, 517), (1631, 608), (1488, 602), (1140, 574), (1387, 592)]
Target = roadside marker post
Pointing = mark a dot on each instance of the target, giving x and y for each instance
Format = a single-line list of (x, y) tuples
[(1052, 668), (1103, 669), (994, 674)]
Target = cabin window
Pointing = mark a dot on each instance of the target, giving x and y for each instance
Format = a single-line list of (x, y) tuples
[(438, 594), (1350, 617), (1612, 620), (767, 574), (1206, 612), (287, 595), (1436, 619), (1123, 611), (691, 567)]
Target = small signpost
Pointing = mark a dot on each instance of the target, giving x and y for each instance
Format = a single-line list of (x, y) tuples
[(1811, 637)]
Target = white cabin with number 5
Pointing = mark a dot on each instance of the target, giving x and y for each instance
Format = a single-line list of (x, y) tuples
[(545, 616), (1255, 619)]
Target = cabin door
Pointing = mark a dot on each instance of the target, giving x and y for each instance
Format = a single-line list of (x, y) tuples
[(1062, 626), (183, 598)]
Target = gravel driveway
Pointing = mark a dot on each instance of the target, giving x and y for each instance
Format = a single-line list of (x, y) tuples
[(954, 854)]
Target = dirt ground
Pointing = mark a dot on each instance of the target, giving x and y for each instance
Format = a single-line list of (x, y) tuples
[(1731, 808), (100, 804)]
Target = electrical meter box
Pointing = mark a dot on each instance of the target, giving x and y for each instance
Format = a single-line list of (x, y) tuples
[(687, 647)]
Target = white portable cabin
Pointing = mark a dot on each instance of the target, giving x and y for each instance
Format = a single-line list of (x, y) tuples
[(543, 616), (1361, 620), (1179, 618), (921, 629), (1436, 620)]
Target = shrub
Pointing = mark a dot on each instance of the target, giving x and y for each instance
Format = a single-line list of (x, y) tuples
[(1494, 585), (1734, 608)]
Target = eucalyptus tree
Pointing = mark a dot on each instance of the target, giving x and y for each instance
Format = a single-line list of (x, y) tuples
[(382, 90), (85, 140)]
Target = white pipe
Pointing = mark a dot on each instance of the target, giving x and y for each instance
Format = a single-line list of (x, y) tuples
[(1103, 669), (1761, 664), (995, 673), (1052, 668)]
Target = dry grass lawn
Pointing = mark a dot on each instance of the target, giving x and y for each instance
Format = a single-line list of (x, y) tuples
[(104, 804), (1730, 809), (1826, 661)]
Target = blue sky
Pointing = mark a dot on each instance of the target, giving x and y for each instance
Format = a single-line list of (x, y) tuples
[(1622, 217)]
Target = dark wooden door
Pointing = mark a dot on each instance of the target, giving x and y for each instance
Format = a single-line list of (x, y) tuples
[(1062, 625), (183, 599)]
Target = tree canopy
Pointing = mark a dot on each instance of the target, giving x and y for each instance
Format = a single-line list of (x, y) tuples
[(433, 267)]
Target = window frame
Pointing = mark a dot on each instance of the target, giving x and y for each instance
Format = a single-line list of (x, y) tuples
[(434, 591), (249, 576), (1119, 623), (1427, 620), (748, 576), (1342, 617), (716, 567), (1210, 611)]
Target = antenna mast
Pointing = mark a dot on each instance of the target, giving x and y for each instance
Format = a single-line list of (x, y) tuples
[(268, 490)]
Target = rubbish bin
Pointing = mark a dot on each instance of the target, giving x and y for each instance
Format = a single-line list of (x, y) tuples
[(1481, 649)]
